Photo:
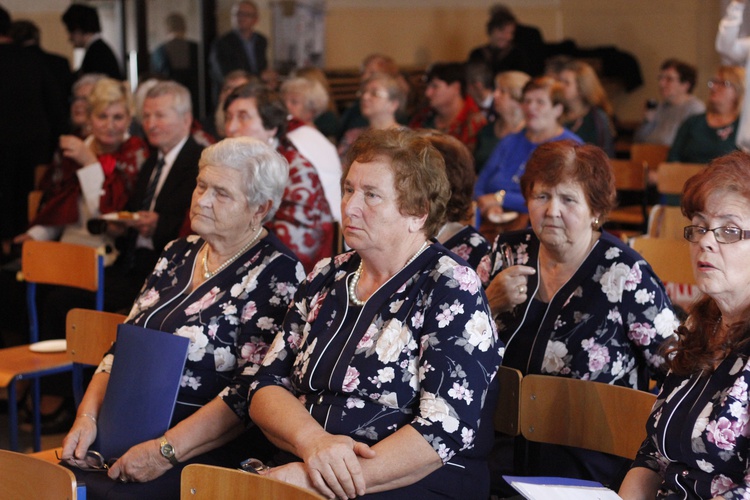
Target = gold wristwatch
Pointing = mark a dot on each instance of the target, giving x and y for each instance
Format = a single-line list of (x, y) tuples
[(167, 451)]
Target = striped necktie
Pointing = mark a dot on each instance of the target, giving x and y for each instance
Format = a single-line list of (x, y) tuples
[(151, 188)]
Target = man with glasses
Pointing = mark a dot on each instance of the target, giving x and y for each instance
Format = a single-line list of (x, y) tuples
[(660, 122)]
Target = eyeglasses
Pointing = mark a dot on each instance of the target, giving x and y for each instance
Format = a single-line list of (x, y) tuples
[(373, 93), (92, 461), (253, 466), (723, 234), (719, 83)]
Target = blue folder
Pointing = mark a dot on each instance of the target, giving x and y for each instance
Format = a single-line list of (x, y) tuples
[(142, 389)]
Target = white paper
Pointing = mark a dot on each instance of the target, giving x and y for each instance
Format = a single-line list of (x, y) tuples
[(563, 492)]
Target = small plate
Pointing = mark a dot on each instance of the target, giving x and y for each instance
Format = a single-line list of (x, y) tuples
[(502, 218), (120, 216), (54, 345)]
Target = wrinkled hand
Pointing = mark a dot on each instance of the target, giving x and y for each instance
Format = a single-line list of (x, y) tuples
[(76, 443), (146, 223), (333, 467), (74, 148), (143, 462), (509, 288)]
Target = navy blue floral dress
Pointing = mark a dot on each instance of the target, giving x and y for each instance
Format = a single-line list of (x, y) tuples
[(230, 319), (605, 324), (422, 351), (698, 434)]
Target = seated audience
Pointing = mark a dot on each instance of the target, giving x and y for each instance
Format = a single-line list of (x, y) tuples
[(697, 444), (589, 113), (509, 118), (701, 138), (214, 125), (455, 235), (380, 98), (498, 187), (578, 302), (239, 186), (450, 110), (393, 417), (92, 176), (734, 47), (677, 104), (328, 120), (303, 221)]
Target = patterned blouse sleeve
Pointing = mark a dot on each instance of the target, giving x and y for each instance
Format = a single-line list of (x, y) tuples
[(648, 315), (260, 321), (460, 354), (278, 364)]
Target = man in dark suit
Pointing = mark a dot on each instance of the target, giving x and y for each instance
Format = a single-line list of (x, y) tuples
[(242, 48), (162, 195), (82, 23), (32, 116)]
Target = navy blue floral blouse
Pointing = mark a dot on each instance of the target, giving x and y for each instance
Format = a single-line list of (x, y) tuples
[(230, 319), (469, 245), (605, 324), (422, 351), (698, 434)]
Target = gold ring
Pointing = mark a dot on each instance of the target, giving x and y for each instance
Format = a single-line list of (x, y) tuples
[(521, 289)]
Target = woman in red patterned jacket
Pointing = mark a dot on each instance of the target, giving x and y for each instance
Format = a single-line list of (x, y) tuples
[(92, 176), (303, 222)]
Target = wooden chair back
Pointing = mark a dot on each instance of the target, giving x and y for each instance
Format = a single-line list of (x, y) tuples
[(630, 177), (669, 258), (56, 263), (671, 176), (89, 334), (507, 416), (27, 477), (648, 155), (206, 482), (584, 414), (667, 222), (34, 200)]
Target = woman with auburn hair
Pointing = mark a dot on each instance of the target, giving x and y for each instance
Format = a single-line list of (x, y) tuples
[(572, 300), (698, 431), (589, 113)]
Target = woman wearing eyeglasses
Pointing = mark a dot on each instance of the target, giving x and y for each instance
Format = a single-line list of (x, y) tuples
[(380, 98), (698, 433), (701, 138)]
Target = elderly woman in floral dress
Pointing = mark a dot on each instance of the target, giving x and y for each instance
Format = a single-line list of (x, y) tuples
[(227, 290), (697, 445), (381, 383), (579, 303)]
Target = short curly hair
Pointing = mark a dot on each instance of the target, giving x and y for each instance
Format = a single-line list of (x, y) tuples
[(421, 184)]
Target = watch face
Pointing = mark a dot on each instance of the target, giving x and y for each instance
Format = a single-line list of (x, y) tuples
[(167, 450)]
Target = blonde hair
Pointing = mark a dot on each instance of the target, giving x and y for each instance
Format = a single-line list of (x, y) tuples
[(589, 87), (316, 97), (108, 91), (513, 82)]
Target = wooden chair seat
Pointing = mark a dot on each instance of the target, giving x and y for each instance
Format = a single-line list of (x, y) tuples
[(507, 416)]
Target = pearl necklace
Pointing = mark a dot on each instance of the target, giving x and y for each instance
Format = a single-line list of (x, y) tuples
[(207, 274), (358, 273)]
